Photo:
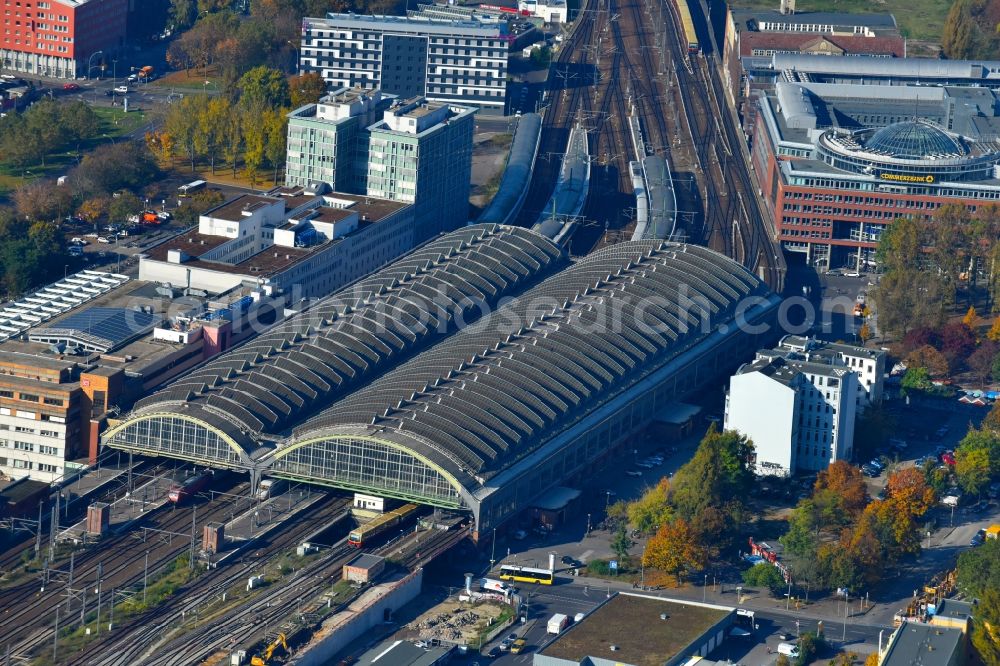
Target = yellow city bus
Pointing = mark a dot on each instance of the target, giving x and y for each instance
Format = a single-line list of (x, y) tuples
[(526, 574)]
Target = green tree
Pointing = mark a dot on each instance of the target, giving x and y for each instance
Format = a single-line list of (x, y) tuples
[(232, 139), (275, 133), (808, 647), (124, 205), (254, 141), (80, 121), (979, 569), (181, 124), (621, 543), (717, 475), (766, 575), (973, 470), (986, 627), (652, 509), (182, 13), (263, 88), (916, 380), (209, 133)]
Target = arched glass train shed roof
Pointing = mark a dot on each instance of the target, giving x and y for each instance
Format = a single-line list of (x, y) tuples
[(251, 394), (483, 399)]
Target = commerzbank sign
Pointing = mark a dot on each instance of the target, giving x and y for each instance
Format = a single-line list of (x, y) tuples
[(906, 177)]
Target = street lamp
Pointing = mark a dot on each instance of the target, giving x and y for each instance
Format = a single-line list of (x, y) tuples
[(89, 60)]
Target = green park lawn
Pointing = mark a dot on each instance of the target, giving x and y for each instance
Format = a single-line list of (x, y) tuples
[(115, 123)]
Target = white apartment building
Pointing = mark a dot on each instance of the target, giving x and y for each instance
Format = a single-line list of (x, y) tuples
[(867, 364), (800, 415), (457, 61)]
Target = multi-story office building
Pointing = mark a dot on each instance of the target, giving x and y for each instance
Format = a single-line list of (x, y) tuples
[(448, 61), (46, 406), (799, 413), (411, 151), (327, 141), (60, 38), (421, 153), (839, 162)]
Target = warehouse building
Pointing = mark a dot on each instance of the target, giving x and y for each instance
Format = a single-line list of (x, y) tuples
[(543, 391)]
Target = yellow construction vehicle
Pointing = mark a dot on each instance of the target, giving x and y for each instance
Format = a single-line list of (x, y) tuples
[(269, 652)]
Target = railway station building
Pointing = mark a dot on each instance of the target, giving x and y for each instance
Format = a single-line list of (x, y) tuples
[(476, 373), (837, 163)]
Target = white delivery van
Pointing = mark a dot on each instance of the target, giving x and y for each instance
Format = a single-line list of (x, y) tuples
[(788, 649)]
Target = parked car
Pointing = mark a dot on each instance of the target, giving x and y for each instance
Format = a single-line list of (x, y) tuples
[(79, 241), (122, 90), (873, 472), (70, 86), (948, 458), (493, 653), (75, 251), (164, 216), (877, 464), (103, 239), (132, 78)]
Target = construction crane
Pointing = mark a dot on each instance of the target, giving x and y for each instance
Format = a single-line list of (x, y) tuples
[(269, 652)]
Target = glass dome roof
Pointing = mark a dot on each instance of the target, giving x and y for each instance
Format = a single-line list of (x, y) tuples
[(913, 140)]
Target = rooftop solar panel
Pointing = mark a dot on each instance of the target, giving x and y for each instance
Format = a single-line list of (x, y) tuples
[(103, 329)]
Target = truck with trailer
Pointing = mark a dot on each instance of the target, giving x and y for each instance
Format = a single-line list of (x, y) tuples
[(557, 623)]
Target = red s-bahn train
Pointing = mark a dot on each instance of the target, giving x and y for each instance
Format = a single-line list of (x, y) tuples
[(183, 489)]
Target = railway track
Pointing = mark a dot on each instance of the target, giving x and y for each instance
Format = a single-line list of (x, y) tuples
[(136, 642), (264, 614), (29, 621)]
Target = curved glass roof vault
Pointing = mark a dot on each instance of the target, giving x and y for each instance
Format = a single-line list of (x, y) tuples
[(913, 140), (307, 362), (486, 397)]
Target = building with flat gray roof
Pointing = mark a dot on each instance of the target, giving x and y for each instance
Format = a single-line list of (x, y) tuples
[(450, 61), (672, 631), (917, 644)]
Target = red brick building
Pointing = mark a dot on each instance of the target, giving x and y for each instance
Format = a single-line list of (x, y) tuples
[(59, 38)]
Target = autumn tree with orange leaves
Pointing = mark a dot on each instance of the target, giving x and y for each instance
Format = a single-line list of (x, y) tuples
[(908, 489), (674, 549), (842, 484)]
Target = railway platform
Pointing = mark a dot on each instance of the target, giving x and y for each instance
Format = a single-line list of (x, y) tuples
[(258, 518), (149, 492)]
